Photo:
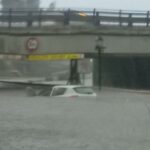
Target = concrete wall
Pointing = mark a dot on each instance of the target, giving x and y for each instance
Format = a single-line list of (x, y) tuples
[(48, 44), (75, 43), (127, 44)]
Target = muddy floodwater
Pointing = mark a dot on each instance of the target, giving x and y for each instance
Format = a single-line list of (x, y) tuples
[(113, 121)]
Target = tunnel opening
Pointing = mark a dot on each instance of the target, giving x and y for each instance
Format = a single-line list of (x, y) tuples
[(124, 71)]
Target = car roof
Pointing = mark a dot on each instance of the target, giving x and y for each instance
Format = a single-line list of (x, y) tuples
[(70, 86)]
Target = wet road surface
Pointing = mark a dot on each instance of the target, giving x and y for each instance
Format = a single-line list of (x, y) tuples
[(112, 121)]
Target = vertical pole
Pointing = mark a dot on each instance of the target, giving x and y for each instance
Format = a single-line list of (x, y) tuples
[(130, 23), (97, 19), (120, 18), (99, 48), (99, 68), (147, 19), (40, 17), (29, 21), (10, 18), (74, 77), (95, 72), (66, 17), (94, 12), (94, 16)]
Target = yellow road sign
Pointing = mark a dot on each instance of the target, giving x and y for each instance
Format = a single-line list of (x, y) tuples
[(54, 57)]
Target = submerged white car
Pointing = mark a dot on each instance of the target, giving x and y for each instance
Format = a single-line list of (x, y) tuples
[(49, 89), (72, 91), (62, 91)]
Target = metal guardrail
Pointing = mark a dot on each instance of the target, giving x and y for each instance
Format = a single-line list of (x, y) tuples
[(30, 18)]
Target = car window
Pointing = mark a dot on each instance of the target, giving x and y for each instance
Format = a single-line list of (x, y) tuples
[(59, 91), (45, 91), (84, 90)]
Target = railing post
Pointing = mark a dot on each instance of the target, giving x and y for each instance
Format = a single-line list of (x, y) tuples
[(29, 20), (9, 17), (67, 17), (40, 17), (147, 19), (94, 12), (120, 18), (97, 19), (130, 23)]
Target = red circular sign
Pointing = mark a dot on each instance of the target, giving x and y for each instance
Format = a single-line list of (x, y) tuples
[(32, 44)]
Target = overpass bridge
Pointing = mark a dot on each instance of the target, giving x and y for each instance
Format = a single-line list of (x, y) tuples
[(76, 31), (31, 18), (126, 35)]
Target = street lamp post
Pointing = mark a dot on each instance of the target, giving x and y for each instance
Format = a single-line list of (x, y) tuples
[(99, 48)]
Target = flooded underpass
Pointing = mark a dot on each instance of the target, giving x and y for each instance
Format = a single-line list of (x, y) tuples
[(114, 120)]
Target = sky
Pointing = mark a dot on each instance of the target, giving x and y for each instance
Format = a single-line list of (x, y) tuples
[(101, 4)]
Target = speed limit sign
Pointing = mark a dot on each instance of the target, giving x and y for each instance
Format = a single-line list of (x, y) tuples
[(32, 44)]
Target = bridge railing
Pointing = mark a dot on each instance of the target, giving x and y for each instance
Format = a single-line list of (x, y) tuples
[(30, 18)]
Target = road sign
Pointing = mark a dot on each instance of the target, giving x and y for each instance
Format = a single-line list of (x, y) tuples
[(54, 57), (32, 44)]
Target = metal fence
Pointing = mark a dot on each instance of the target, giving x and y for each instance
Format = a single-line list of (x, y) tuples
[(30, 18)]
